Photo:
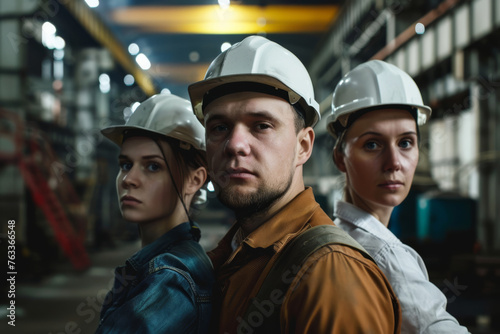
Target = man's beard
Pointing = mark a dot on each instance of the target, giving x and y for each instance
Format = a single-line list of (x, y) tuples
[(257, 202)]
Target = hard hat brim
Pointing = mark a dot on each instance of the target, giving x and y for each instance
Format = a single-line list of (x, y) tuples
[(116, 133), (198, 89), (424, 113)]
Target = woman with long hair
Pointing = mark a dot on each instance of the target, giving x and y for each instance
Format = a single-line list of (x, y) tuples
[(165, 287)]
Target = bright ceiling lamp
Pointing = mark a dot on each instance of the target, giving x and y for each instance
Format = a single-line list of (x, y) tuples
[(48, 35), (143, 61), (224, 3), (104, 83), (133, 49), (59, 43), (92, 3), (129, 80)]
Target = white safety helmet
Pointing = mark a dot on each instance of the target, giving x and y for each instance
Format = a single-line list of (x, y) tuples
[(257, 60), (163, 114), (372, 85)]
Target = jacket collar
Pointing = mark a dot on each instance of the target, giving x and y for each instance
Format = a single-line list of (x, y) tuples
[(275, 232), (160, 245), (351, 214), (285, 224)]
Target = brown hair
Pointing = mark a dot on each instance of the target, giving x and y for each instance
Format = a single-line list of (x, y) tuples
[(185, 160), (339, 148)]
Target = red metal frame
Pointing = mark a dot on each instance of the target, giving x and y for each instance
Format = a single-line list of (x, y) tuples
[(34, 157)]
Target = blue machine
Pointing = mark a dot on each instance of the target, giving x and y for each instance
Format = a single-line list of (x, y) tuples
[(435, 218), (442, 216)]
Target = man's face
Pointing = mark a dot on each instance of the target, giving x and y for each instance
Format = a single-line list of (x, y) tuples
[(251, 149)]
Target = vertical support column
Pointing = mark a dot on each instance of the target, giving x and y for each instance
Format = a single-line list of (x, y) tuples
[(495, 125), (87, 76), (13, 52), (483, 106)]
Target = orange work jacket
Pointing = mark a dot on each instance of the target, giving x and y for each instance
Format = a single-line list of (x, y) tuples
[(340, 291)]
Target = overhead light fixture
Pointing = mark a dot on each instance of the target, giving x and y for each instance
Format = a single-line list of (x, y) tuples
[(92, 3), (194, 56), (129, 80), (59, 43), (104, 83), (104, 89), (58, 54), (419, 28), (48, 35), (237, 19), (143, 61), (48, 28), (133, 49), (224, 3), (104, 79), (225, 46)]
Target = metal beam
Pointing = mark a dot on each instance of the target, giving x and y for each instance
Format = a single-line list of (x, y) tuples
[(96, 28)]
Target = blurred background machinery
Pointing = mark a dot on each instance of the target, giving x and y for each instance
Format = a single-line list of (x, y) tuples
[(71, 67)]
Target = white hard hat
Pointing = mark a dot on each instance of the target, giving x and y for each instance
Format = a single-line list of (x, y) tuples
[(374, 84), (257, 60), (163, 114)]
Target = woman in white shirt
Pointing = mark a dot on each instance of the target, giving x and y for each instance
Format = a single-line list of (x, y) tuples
[(376, 111)]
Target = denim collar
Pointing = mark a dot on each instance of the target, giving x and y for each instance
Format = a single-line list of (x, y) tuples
[(160, 245)]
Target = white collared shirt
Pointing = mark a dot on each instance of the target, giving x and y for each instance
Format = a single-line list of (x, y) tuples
[(423, 305)]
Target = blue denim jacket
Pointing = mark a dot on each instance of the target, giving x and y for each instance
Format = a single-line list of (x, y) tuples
[(166, 287)]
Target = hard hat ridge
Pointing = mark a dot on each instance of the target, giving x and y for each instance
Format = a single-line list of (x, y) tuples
[(161, 115), (258, 60), (374, 85)]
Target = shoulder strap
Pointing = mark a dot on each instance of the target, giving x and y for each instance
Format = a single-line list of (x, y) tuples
[(263, 313)]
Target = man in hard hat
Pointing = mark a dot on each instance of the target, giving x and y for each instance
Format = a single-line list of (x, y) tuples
[(257, 104), (376, 113)]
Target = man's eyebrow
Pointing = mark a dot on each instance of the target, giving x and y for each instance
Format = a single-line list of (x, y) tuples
[(263, 114), (214, 117), (253, 114)]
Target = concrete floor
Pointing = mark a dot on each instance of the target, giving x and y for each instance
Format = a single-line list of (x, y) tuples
[(67, 302)]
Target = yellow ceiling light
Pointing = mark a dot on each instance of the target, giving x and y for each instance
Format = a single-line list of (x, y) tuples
[(236, 19)]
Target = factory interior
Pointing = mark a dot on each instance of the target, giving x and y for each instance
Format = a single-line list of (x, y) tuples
[(69, 68)]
